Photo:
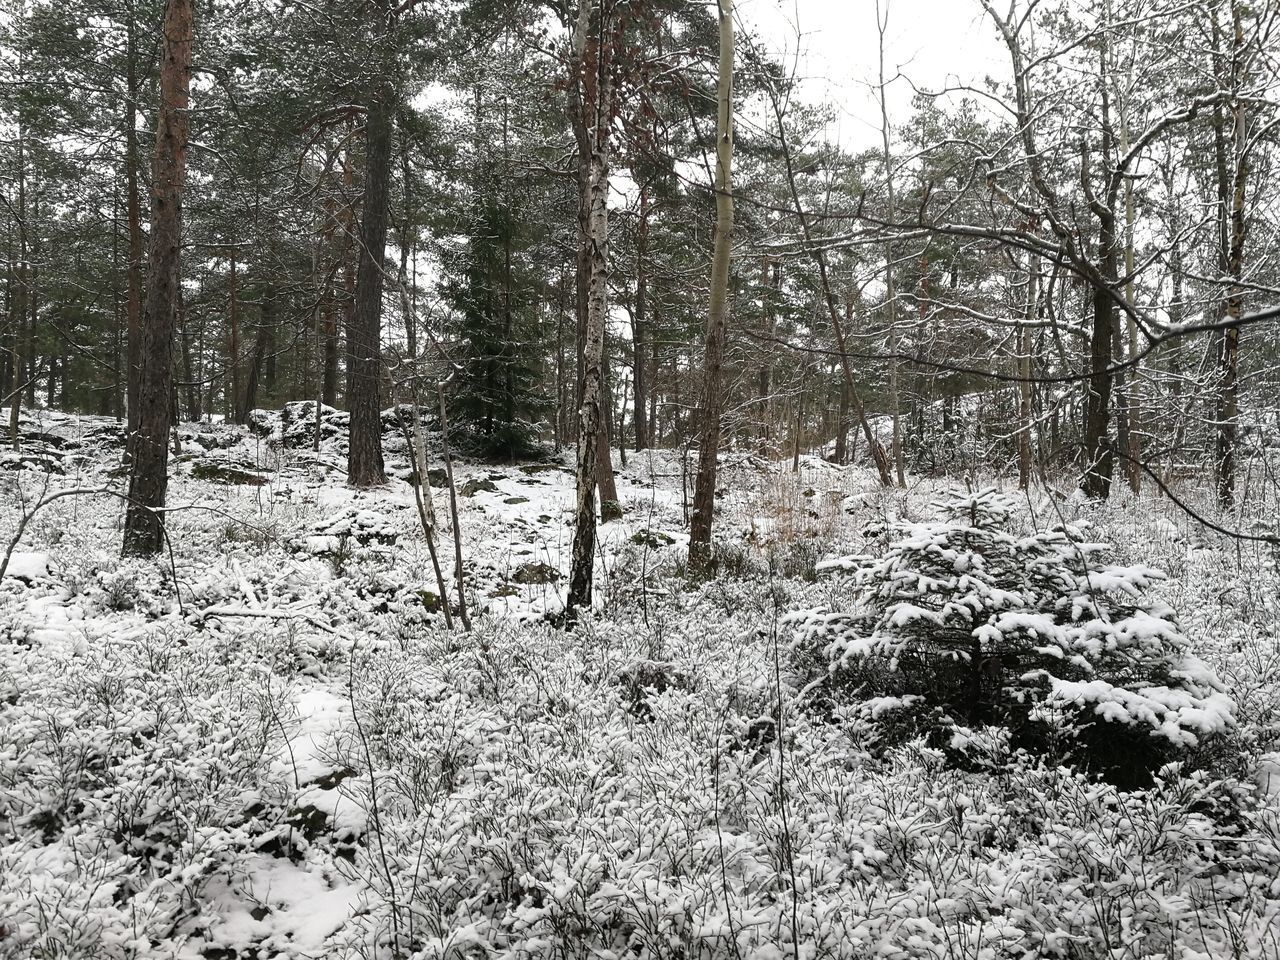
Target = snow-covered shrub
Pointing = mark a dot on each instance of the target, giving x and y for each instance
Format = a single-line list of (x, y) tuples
[(963, 623), (126, 768)]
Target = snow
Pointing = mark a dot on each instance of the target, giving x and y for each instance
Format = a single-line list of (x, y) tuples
[(300, 761), (27, 566)]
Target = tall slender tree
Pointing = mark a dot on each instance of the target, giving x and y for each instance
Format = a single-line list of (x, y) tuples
[(596, 33), (713, 352), (364, 458), (148, 445)]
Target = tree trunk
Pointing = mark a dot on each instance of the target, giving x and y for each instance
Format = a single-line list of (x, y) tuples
[(704, 490), (841, 452), (1097, 441), (459, 570), (18, 304), (1023, 367), (133, 328), (261, 344), (878, 454), (770, 286), (149, 455), (562, 400), (406, 245), (349, 269), (640, 420), (606, 485), (191, 381), (1228, 405), (891, 292), (1098, 450), (233, 343), (364, 456), (591, 102)]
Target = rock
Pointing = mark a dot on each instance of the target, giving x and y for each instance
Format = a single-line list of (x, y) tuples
[(534, 468), (653, 539), (364, 527), (215, 441), (536, 573), (48, 440), (437, 477), (515, 501), (298, 423), (44, 462), (214, 472), (260, 423), (106, 433), (476, 485)]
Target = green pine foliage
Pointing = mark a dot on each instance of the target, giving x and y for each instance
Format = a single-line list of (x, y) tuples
[(493, 293), (962, 625)]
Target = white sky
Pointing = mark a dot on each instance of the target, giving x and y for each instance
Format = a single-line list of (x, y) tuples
[(933, 42)]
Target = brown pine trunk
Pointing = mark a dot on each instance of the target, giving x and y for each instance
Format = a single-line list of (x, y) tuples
[(233, 343), (640, 419), (841, 452), (364, 455), (406, 244), (133, 203), (18, 305), (349, 269), (257, 358), (191, 382), (148, 461), (704, 491)]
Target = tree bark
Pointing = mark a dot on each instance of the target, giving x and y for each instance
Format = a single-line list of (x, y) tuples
[(704, 490), (1023, 367), (350, 265), (261, 345), (364, 455), (149, 454), (233, 343), (133, 202), (591, 103), (1228, 400), (891, 292), (1099, 452), (639, 330), (770, 287), (18, 304), (192, 382)]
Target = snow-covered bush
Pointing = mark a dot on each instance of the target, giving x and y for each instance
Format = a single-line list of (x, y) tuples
[(126, 769), (963, 623)]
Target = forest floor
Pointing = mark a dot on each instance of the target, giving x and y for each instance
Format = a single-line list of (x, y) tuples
[(265, 743)]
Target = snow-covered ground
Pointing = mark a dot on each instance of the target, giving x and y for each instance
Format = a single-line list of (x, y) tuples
[(265, 743)]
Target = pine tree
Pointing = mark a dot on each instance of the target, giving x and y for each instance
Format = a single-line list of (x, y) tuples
[(962, 623), (497, 397)]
